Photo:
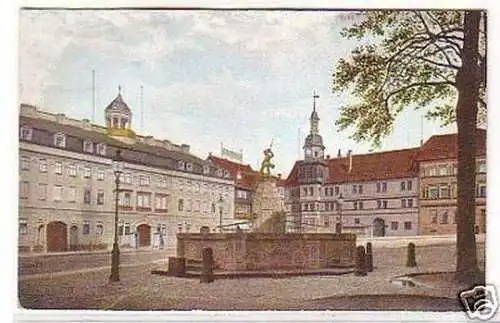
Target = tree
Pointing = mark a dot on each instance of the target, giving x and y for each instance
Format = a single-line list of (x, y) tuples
[(433, 60)]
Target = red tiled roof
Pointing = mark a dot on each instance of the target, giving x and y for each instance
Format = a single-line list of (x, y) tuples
[(366, 167), (374, 166), (445, 146), (248, 177), (231, 166), (391, 164), (293, 176)]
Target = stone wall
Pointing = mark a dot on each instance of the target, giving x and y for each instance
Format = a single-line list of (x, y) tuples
[(261, 251)]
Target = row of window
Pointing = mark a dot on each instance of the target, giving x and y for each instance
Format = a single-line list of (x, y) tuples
[(73, 170), (26, 133), (395, 225), (446, 191), (59, 193), (125, 229), (241, 194), (143, 199), (326, 222), (99, 227), (381, 187), (450, 169), (356, 205), (443, 217)]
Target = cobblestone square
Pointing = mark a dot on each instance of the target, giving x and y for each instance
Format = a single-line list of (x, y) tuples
[(140, 290)]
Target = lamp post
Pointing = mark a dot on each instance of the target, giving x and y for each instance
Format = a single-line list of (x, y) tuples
[(221, 202), (340, 200), (115, 253)]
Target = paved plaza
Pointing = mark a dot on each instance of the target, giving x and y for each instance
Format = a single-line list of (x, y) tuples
[(140, 290)]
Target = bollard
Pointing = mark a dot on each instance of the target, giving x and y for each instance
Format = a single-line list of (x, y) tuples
[(410, 256), (360, 269), (207, 271), (176, 266), (369, 257)]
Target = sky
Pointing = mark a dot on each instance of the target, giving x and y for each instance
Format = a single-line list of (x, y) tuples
[(243, 78)]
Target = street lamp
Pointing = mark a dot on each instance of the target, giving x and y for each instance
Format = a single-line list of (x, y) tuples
[(115, 253), (340, 200), (221, 203)]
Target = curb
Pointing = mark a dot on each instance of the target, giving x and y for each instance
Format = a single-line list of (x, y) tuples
[(275, 275), (85, 253)]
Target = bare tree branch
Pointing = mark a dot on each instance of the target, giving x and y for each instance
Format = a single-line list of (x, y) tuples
[(437, 63), (404, 88)]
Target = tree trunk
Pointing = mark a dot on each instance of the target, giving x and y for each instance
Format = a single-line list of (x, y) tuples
[(467, 106)]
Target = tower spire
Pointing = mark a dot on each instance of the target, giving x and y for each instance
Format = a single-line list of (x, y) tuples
[(315, 96), (119, 90), (314, 120)]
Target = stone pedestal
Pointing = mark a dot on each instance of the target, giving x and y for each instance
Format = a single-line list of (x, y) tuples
[(266, 203), (177, 266)]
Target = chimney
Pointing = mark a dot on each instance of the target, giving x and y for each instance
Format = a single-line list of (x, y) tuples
[(327, 156), (279, 176), (60, 117), (185, 148), (339, 154), (349, 154)]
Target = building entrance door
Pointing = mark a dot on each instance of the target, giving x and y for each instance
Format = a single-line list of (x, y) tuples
[(73, 237), (144, 232), (57, 237), (378, 227)]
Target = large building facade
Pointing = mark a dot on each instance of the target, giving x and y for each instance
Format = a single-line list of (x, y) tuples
[(393, 193), (67, 185), (438, 178)]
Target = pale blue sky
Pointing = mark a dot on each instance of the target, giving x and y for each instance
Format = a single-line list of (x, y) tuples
[(243, 78)]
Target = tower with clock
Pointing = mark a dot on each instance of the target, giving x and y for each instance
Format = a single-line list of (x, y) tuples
[(313, 169)]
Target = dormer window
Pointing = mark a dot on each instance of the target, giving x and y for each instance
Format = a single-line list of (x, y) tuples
[(60, 140), (101, 149), (189, 166), (206, 169), (181, 165), (219, 172), (226, 173), (88, 146), (26, 133)]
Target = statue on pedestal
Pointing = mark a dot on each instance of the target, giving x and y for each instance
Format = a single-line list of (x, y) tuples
[(267, 165)]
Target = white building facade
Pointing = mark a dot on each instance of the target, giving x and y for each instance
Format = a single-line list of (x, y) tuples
[(371, 194), (67, 186)]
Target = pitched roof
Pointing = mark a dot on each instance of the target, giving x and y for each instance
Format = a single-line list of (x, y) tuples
[(248, 177), (374, 166), (366, 167), (98, 137), (231, 166), (118, 104), (445, 146)]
